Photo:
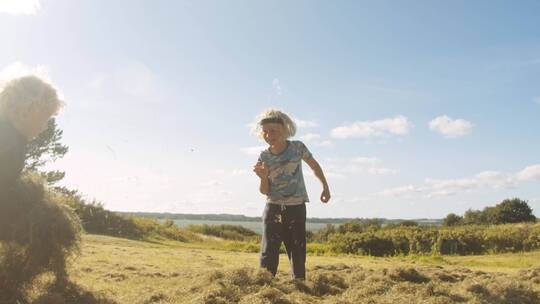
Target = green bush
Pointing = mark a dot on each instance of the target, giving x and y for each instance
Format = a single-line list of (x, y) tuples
[(97, 220), (367, 243), (461, 240), (228, 232), (150, 228)]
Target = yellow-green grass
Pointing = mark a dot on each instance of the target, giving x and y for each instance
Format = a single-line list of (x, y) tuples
[(508, 262), (127, 271)]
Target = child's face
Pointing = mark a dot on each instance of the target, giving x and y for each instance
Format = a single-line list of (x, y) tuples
[(273, 133)]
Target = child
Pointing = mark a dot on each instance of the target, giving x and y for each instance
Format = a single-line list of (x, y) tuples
[(26, 105), (37, 233), (280, 171)]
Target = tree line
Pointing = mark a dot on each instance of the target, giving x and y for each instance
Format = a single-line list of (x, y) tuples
[(513, 210)]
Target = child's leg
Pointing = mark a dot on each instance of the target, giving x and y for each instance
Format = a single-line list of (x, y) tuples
[(294, 237), (271, 238)]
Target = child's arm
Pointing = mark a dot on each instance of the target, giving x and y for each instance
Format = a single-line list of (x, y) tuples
[(317, 170), (262, 171)]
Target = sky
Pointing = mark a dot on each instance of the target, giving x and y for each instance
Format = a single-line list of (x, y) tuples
[(414, 109)]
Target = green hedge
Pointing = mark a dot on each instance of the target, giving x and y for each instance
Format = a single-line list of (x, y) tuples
[(462, 240)]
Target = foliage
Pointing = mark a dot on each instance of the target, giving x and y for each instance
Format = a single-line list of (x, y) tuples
[(45, 148), (228, 232), (512, 211), (508, 211), (461, 240), (452, 220), (97, 220)]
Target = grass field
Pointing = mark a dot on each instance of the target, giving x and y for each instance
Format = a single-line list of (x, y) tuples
[(114, 270)]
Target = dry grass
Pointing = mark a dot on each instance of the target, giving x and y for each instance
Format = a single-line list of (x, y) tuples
[(112, 270), (38, 234)]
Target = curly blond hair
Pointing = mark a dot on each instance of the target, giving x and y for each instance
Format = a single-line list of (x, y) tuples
[(274, 116), (21, 94)]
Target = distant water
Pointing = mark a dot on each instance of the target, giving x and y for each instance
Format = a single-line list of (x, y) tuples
[(255, 226)]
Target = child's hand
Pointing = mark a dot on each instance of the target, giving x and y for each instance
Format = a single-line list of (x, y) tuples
[(325, 195), (261, 170)]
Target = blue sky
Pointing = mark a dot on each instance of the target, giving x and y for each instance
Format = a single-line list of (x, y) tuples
[(413, 108)]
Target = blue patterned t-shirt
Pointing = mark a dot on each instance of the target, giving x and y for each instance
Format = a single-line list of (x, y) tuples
[(286, 179)]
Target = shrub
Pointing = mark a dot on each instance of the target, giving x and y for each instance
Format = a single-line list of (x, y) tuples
[(452, 220), (97, 220), (228, 232), (461, 240)]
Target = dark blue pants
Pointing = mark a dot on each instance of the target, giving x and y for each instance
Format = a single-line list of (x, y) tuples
[(285, 224)]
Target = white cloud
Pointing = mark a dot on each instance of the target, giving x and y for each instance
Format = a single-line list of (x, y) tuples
[(325, 143), (382, 171), (315, 139), (449, 127), (367, 161), (484, 180), (398, 125), (277, 86), (537, 99), (333, 175), (253, 151), (359, 165), (402, 191), (530, 173), (309, 137), (19, 7), (304, 123), (496, 179)]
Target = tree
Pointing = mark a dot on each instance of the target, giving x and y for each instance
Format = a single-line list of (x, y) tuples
[(46, 148), (508, 211), (474, 217), (512, 210), (452, 220)]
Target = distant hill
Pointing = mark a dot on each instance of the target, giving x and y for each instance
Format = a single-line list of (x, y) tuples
[(243, 218)]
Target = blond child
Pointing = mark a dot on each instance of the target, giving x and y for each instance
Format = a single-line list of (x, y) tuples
[(26, 105), (280, 171)]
